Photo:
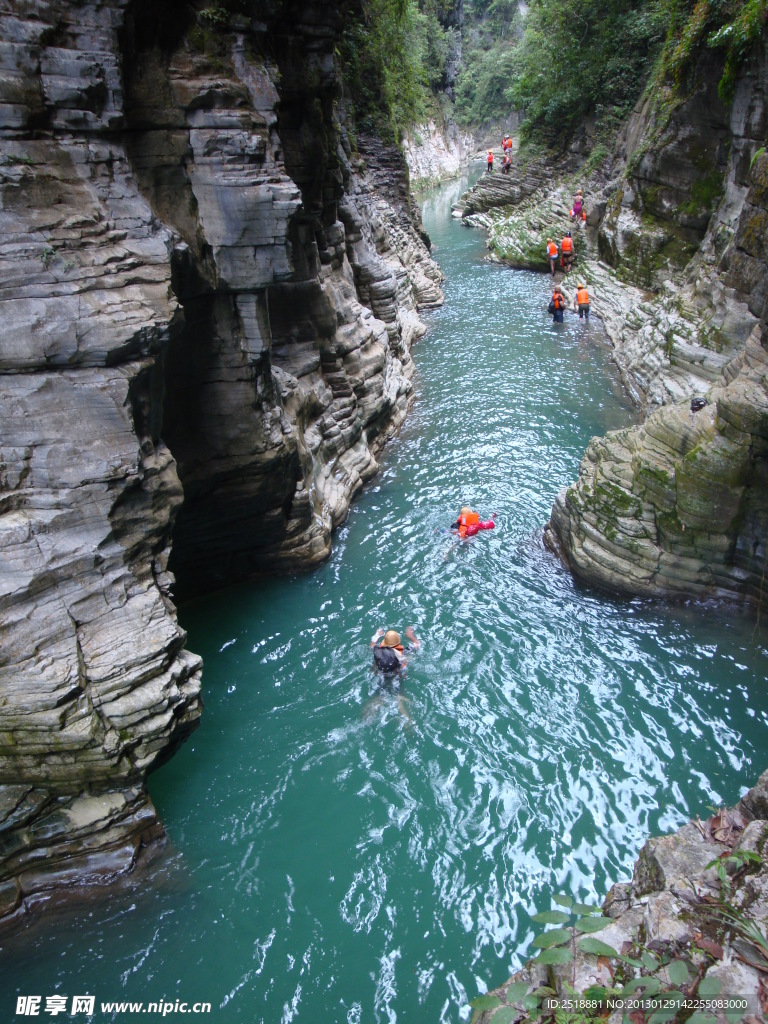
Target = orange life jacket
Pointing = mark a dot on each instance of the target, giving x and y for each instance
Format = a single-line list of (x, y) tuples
[(582, 296), (551, 250), (490, 157), (559, 300), (567, 245), (469, 519), (397, 647)]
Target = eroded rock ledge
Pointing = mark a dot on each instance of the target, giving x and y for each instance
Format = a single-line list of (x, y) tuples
[(684, 923), (209, 303)]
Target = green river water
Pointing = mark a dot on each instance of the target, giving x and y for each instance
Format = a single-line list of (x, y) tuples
[(338, 855)]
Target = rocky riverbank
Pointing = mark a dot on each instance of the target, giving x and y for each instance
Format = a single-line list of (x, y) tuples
[(673, 251), (690, 926), (210, 298)]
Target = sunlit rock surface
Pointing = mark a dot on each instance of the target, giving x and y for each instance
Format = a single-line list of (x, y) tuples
[(209, 302), (436, 152), (683, 931)]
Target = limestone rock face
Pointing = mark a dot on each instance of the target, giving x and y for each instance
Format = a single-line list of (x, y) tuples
[(436, 152), (209, 304), (496, 190), (678, 163), (678, 505)]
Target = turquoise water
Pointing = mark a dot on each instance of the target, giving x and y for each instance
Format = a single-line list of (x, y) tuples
[(342, 853)]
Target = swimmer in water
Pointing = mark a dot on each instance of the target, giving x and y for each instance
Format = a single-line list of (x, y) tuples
[(469, 523), (389, 659), (389, 655)]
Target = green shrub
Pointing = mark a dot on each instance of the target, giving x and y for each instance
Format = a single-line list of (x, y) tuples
[(732, 25), (483, 86)]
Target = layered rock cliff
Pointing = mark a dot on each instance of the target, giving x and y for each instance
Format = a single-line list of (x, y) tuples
[(209, 301)]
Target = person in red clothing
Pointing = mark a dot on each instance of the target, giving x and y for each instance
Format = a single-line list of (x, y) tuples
[(578, 213), (490, 160), (469, 523)]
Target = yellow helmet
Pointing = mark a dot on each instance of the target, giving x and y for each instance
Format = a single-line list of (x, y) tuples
[(391, 638)]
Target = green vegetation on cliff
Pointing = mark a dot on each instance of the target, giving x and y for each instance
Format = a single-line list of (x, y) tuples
[(557, 63), (584, 58), (492, 32), (732, 25), (394, 57)]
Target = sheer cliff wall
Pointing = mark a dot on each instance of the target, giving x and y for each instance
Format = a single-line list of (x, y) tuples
[(208, 306)]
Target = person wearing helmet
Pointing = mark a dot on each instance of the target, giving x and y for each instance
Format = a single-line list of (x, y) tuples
[(581, 301), (389, 653), (490, 160)]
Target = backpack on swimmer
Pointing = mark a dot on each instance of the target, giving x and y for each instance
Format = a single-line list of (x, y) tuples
[(386, 660)]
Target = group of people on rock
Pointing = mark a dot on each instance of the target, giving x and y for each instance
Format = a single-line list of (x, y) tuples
[(566, 255), (506, 150)]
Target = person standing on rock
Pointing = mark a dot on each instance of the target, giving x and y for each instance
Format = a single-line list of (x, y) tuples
[(557, 305), (577, 212), (566, 252), (581, 302), (552, 255), (490, 160)]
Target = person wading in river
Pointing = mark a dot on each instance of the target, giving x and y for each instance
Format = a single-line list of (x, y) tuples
[(581, 302), (557, 305)]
